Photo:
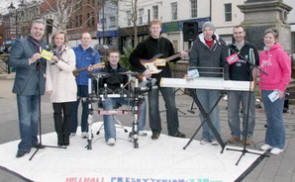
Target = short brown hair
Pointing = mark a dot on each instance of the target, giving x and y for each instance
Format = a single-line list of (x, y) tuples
[(273, 31), (86, 32), (113, 51), (154, 22), (38, 20), (240, 26), (59, 32)]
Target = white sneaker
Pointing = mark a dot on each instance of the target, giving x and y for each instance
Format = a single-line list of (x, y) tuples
[(214, 142), (276, 151), (204, 142), (265, 147), (142, 133), (84, 135), (111, 141)]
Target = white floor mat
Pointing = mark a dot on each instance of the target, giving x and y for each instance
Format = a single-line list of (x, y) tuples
[(160, 160)]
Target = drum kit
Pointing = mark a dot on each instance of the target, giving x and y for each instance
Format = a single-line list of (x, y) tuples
[(132, 91)]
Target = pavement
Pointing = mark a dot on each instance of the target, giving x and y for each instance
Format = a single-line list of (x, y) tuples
[(279, 168)]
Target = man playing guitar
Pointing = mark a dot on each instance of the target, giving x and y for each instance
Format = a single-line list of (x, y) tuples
[(158, 46)]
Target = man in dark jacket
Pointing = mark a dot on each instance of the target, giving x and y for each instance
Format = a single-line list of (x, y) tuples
[(208, 55), (242, 70), (152, 46), (113, 80), (29, 84)]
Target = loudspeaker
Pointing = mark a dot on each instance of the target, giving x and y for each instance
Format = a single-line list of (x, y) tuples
[(190, 31), (49, 25)]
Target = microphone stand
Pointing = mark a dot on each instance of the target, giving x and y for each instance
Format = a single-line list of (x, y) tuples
[(40, 145)]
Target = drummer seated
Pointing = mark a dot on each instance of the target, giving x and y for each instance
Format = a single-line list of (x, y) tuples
[(114, 81)]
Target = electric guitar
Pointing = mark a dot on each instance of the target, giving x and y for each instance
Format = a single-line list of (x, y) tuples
[(156, 61), (95, 66)]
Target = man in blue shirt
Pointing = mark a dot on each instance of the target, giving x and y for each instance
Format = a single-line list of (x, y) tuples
[(86, 56)]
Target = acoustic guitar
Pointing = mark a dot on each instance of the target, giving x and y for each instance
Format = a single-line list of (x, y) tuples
[(95, 66)]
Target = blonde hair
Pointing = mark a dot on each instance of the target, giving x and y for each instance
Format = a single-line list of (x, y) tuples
[(154, 22), (57, 33)]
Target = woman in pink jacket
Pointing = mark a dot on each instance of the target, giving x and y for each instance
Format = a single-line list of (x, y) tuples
[(274, 77)]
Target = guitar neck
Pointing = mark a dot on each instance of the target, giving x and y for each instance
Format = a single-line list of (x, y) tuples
[(80, 70), (172, 57)]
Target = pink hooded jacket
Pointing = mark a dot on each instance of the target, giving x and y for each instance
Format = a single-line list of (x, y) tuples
[(277, 64)]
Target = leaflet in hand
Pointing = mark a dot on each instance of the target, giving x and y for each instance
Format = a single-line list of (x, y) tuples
[(232, 58), (193, 74), (46, 55), (275, 95)]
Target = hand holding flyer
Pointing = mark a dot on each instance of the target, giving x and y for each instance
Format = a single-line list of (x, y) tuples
[(46, 55), (232, 58)]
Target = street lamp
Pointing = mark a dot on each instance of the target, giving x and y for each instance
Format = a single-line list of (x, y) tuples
[(13, 10)]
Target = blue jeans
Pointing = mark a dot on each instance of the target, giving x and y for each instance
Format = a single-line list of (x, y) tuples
[(275, 132), (208, 98), (82, 94), (28, 115), (109, 122), (235, 98), (171, 111)]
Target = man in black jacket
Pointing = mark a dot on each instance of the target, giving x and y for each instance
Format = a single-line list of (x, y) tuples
[(113, 80), (152, 46), (242, 70)]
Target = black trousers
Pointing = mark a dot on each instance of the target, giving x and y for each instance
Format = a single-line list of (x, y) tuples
[(63, 117)]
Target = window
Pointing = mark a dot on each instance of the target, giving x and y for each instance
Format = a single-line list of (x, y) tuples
[(155, 12), (174, 10), (228, 12), (293, 45), (92, 19), (70, 24), (77, 21), (112, 22), (128, 17), (149, 15), (140, 16), (194, 8), (88, 19), (80, 20)]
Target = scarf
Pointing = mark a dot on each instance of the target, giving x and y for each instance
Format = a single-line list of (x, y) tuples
[(36, 43)]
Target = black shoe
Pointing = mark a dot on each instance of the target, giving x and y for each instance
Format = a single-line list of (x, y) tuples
[(20, 153), (285, 110), (155, 136), (37, 146), (66, 140), (60, 140), (178, 134)]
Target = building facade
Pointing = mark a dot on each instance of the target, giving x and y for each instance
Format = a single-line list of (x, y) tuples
[(291, 21), (226, 15), (172, 13)]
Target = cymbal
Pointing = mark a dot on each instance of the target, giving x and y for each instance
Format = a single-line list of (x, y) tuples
[(101, 73), (128, 73)]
